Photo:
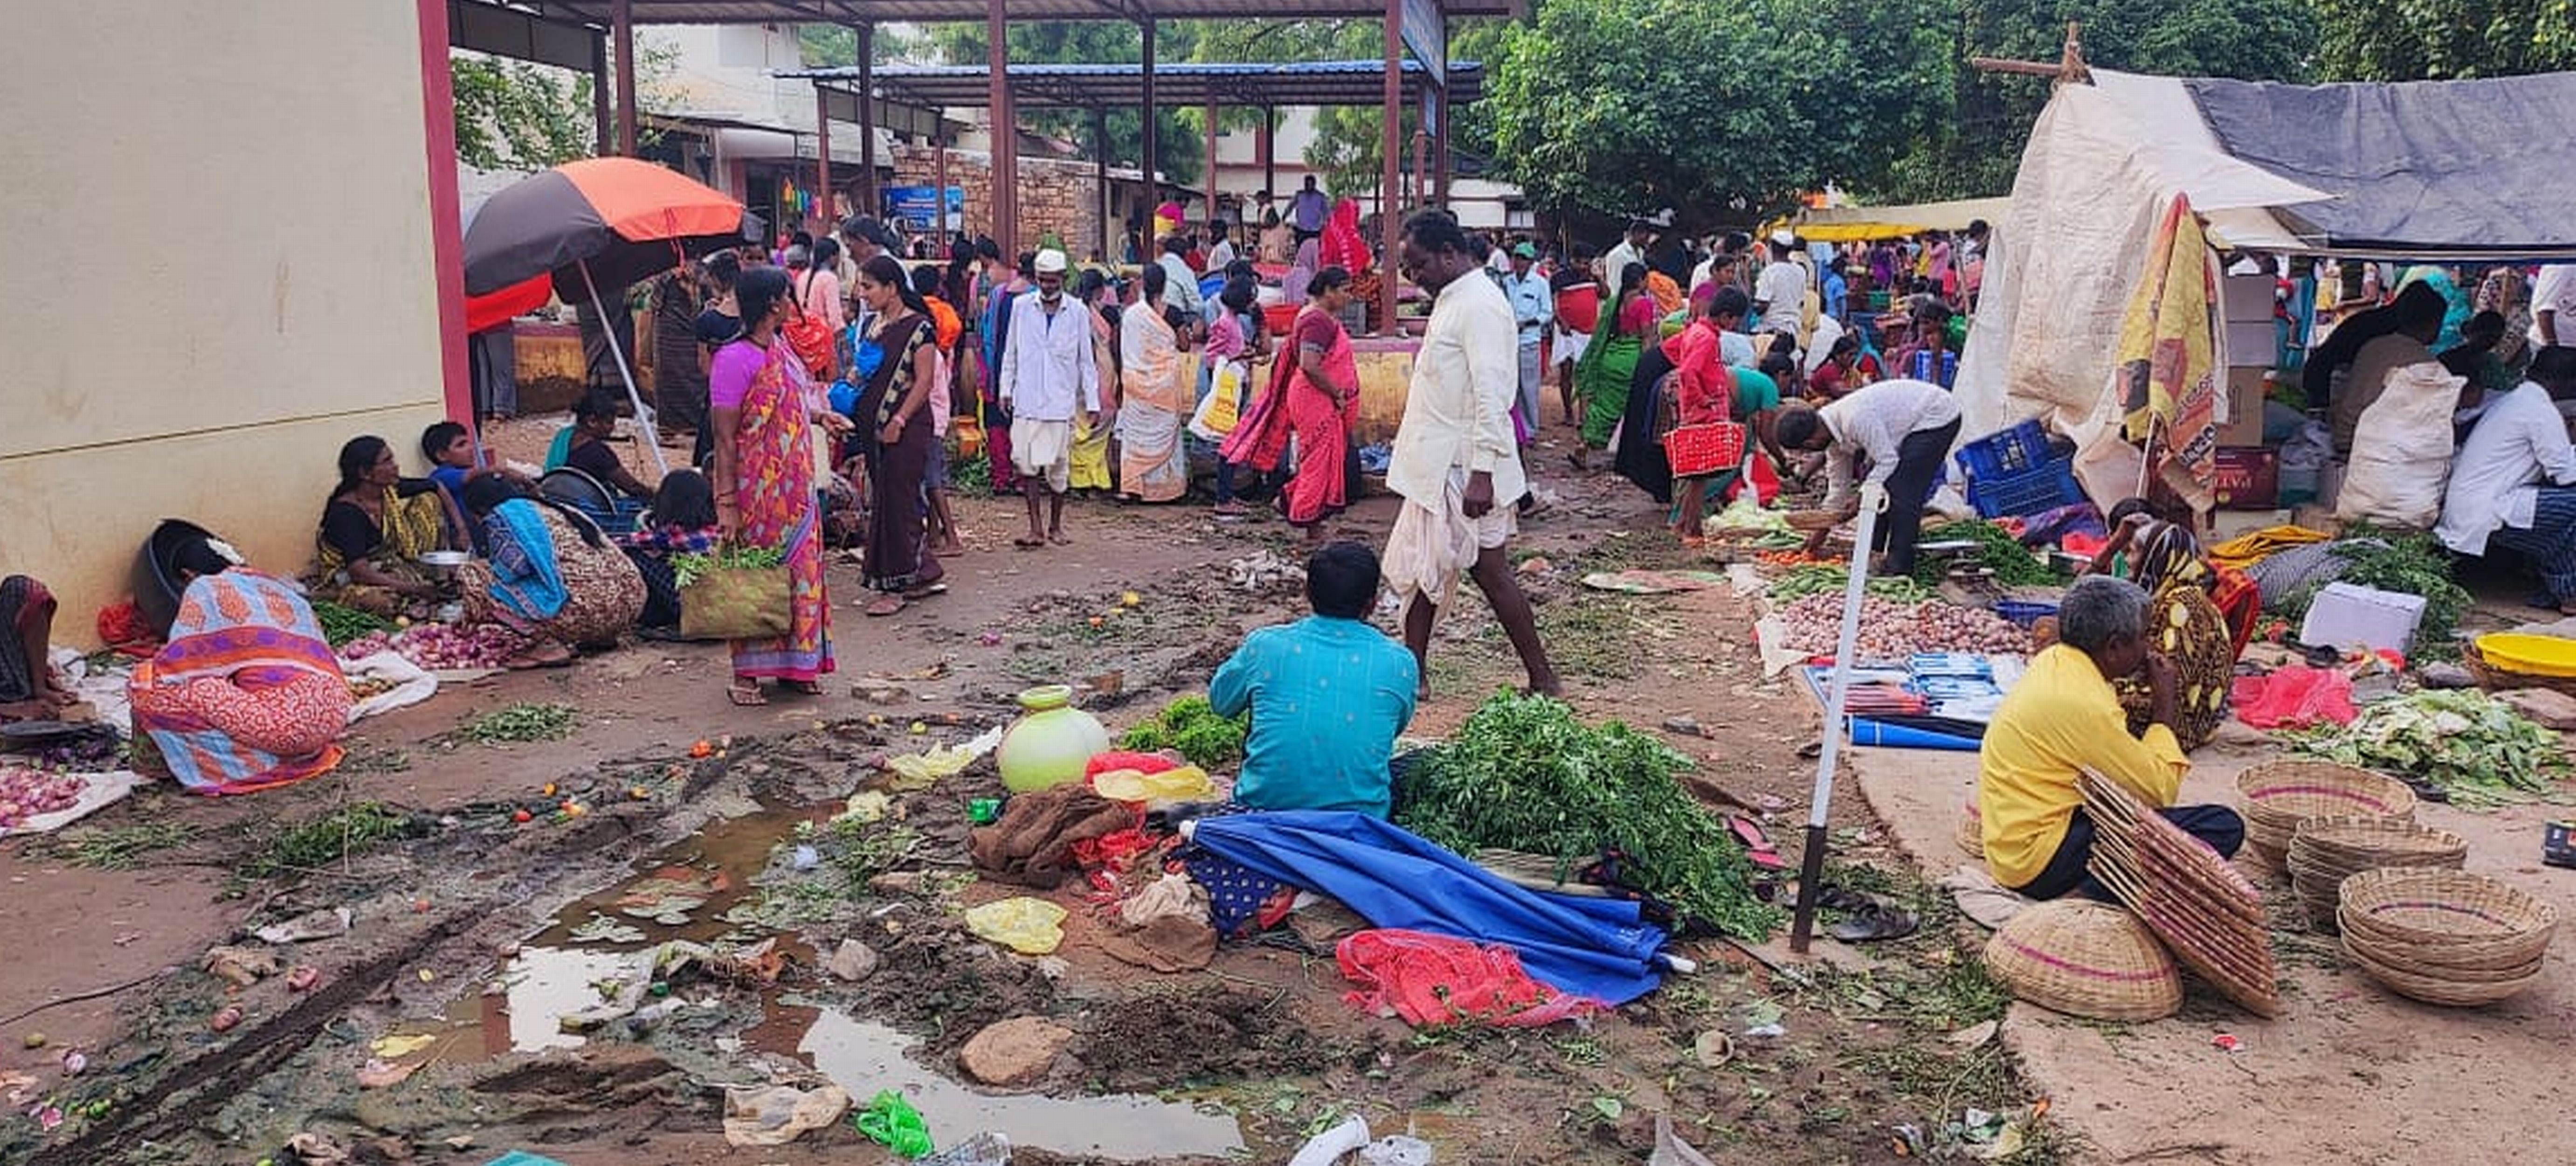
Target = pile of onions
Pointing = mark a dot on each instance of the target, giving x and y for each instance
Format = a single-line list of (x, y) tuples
[(25, 793), (1889, 629), (436, 646)]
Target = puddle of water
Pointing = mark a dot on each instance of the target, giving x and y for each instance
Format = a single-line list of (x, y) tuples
[(544, 985), (724, 855), (864, 1058)]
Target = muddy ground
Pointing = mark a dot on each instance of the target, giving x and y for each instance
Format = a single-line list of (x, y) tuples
[(452, 901)]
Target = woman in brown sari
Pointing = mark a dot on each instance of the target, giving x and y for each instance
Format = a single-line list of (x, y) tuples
[(901, 362)]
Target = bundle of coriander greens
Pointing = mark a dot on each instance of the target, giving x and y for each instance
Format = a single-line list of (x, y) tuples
[(686, 568), (1523, 773), (2477, 749)]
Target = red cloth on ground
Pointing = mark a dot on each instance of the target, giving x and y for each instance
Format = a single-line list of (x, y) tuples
[(2292, 697), (1435, 979), (1127, 759)]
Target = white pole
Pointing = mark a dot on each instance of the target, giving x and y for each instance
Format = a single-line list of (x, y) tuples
[(1811, 869), (644, 426)]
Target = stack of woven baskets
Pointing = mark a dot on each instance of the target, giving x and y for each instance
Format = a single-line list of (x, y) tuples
[(2278, 795), (2328, 850), (2085, 959), (2445, 936)]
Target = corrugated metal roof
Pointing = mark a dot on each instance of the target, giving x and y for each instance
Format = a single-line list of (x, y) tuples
[(1182, 84), (939, 11)]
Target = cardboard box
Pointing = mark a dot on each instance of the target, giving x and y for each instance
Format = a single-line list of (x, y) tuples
[(2252, 343), (2247, 388), (2249, 297), (2345, 615), (2248, 479)]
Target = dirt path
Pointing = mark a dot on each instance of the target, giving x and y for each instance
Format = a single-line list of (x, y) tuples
[(443, 904)]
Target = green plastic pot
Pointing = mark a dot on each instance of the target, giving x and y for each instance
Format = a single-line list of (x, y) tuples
[(1052, 741)]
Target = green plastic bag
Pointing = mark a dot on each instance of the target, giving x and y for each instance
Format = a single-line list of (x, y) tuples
[(893, 1123)]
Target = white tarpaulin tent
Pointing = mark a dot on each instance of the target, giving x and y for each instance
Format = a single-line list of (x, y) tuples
[(2435, 170)]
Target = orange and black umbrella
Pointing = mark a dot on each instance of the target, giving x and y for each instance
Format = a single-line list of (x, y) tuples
[(620, 219)]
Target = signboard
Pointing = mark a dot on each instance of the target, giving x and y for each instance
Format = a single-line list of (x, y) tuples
[(918, 207), (1427, 34)]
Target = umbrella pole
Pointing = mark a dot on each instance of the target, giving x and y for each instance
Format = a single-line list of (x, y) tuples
[(1811, 866), (643, 412)]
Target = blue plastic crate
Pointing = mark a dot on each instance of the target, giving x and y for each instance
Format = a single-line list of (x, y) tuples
[(2047, 487), (2022, 448)]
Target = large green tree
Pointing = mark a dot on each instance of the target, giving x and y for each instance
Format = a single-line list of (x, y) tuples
[(2409, 40), (1974, 149), (1722, 113), (514, 115)]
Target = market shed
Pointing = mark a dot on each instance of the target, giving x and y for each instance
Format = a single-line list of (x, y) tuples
[(2463, 171)]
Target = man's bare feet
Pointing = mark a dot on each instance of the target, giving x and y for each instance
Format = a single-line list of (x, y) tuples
[(1059, 538)]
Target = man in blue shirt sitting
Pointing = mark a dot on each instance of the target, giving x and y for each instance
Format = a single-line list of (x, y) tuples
[(1328, 695)]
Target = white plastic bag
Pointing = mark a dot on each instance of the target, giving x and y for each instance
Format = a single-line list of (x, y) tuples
[(2401, 450), (1223, 407)]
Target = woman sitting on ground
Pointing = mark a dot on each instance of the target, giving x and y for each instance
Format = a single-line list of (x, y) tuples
[(553, 578), (2185, 626), (247, 694), (29, 690), (682, 522), (375, 526)]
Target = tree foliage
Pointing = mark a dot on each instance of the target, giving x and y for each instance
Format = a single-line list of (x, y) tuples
[(515, 115), (2410, 40), (1722, 113), (826, 46)]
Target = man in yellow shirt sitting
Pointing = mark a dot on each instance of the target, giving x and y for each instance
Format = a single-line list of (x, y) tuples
[(2063, 718)]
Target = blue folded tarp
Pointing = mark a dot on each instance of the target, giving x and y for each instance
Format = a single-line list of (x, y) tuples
[(1593, 947)]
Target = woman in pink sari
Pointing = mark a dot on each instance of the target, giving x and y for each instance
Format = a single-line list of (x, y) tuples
[(1313, 392), (764, 478)]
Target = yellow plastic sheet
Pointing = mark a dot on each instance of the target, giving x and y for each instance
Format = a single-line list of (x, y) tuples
[(1187, 783), (914, 771), (1025, 925)]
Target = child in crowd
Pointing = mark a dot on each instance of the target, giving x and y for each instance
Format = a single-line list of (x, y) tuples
[(451, 451), (682, 521)]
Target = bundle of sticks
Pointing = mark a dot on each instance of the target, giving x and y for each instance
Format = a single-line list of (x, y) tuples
[(2192, 899)]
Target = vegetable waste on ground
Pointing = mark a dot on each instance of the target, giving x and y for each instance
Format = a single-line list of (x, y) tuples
[(2475, 748), (520, 722), (1190, 726), (1891, 628), (1523, 773), (685, 569)]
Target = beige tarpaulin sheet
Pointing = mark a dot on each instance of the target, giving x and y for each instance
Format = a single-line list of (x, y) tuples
[(2103, 161), (1850, 224)]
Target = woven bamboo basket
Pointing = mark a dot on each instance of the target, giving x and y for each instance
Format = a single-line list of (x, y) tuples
[(2326, 851), (2085, 959), (2436, 989), (2277, 795), (1972, 830), (2444, 936), (1811, 521), (2496, 679)]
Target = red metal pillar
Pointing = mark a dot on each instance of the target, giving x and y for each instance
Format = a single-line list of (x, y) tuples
[(1211, 161), (822, 162), (1150, 136), (1390, 229), (1006, 132), (601, 118), (1100, 200), (1440, 143), (939, 179), (622, 25), (867, 192)]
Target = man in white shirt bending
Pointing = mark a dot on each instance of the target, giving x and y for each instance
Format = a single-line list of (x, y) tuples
[(1905, 428), (1455, 463), (1780, 293), (2514, 481), (1048, 372)]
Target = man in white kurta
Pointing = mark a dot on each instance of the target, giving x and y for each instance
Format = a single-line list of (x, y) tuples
[(1048, 374), (1455, 463)]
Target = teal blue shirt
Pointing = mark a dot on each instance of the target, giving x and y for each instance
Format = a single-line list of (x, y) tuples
[(1328, 697)]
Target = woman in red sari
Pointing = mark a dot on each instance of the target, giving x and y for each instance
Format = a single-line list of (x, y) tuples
[(1313, 393), (764, 445)]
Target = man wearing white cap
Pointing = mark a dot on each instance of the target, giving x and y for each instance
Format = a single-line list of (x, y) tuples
[(1780, 292), (1048, 372)]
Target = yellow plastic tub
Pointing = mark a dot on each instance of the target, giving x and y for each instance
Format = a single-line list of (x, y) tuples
[(2529, 654)]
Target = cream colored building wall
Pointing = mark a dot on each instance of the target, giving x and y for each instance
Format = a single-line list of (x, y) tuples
[(220, 269)]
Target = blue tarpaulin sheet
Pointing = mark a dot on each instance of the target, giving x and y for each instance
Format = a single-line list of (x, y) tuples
[(1593, 947)]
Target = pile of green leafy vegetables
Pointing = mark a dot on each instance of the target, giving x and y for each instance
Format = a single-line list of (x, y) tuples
[(1191, 727), (2477, 749), (343, 624), (1997, 550), (685, 569), (2406, 562), (1524, 773)]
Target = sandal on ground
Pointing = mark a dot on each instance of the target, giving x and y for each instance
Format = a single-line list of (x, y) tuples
[(1757, 845), (884, 605), (1026, 543), (803, 687), (746, 695), (1873, 922), (559, 657), (925, 591)]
